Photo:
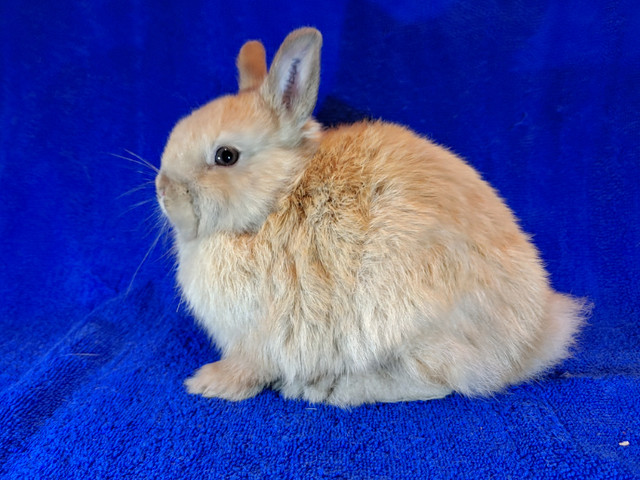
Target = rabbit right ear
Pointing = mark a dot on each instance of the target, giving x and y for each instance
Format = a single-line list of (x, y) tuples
[(252, 65), (291, 87)]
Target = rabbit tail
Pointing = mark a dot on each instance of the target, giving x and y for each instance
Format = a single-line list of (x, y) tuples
[(565, 317)]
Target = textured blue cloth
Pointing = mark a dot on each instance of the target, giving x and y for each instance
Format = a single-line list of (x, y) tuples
[(543, 98)]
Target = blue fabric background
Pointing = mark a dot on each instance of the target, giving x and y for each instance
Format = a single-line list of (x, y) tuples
[(542, 97)]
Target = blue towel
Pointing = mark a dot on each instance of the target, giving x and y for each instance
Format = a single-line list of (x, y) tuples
[(543, 98)]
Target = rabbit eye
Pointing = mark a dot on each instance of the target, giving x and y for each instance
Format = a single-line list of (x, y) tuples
[(226, 156)]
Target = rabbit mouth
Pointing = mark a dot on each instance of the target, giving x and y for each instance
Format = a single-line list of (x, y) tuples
[(163, 209), (184, 218), (178, 206)]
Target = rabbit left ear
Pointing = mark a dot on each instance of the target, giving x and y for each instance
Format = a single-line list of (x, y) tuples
[(252, 65), (291, 87)]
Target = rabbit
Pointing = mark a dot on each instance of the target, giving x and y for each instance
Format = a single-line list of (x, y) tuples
[(351, 265)]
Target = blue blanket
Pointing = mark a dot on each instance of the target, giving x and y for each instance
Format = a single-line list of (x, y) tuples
[(543, 98)]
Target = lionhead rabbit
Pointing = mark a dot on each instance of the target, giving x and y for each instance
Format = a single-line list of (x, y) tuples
[(357, 264)]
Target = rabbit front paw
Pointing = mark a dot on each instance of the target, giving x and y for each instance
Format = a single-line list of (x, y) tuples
[(224, 379)]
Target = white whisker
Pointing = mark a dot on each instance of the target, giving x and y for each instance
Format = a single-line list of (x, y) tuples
[(142, 162), (135, 189), (145, 162), (153, 245), (136, 205)]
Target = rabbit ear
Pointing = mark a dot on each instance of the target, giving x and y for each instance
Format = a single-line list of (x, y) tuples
[(291, 87), (252, 65)]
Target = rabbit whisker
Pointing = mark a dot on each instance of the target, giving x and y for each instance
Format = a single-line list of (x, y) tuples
[(135, 274), (146, 162), (135, 189), (136, 205), (143, 163)]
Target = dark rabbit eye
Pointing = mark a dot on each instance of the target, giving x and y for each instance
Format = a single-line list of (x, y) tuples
[(226, 156)]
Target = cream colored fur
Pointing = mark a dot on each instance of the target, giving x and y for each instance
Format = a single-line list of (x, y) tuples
[(359, 264)]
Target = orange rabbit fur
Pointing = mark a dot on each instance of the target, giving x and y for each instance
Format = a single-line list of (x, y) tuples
[(350, 265)]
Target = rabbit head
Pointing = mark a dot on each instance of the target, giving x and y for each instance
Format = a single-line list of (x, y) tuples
[(226, 165)]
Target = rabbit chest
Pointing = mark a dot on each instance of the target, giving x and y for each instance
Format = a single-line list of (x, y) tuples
[(219, 280)]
